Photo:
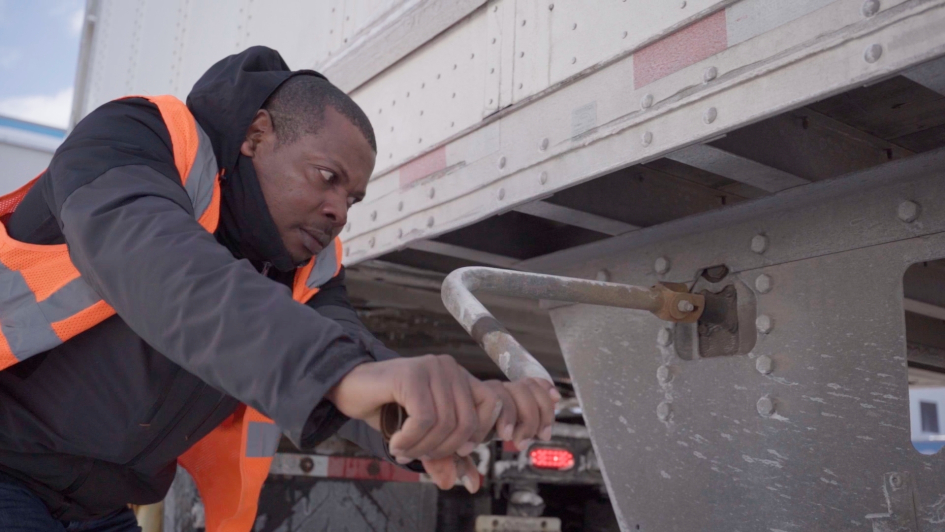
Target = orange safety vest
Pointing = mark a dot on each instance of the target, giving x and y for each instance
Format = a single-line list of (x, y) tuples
[(45, 302)]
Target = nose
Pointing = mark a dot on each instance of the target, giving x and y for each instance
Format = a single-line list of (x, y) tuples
[(335, 209)]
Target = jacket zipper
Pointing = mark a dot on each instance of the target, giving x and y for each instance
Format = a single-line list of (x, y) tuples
[(170, 428)]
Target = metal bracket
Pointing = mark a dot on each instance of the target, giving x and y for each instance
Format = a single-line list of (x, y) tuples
[(900, 505)]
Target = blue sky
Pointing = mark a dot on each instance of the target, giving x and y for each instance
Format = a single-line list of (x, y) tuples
[(39, 47)]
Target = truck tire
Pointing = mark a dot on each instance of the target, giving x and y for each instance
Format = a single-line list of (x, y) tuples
[(313, 505)]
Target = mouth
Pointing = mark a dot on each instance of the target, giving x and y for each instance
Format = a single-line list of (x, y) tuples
[(314, 240)]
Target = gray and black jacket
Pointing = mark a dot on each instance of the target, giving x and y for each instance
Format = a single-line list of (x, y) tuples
[(99, 421)]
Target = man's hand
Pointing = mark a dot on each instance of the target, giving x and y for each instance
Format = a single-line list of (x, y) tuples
[(449, 411), (446, 471), (528, 410), (446, 407)]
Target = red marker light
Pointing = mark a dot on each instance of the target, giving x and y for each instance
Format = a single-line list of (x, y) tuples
[(547, 458)]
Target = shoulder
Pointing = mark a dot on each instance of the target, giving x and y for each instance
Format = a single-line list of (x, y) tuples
[(119, 133)]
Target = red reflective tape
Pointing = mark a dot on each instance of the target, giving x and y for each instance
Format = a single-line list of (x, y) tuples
[(423, 166), (675, 52), (368, 469)]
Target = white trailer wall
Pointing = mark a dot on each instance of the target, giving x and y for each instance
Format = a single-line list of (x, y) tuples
[(482, 107)]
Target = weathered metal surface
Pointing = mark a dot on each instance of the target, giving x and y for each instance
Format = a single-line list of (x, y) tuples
[(806, 59), (803, 433)]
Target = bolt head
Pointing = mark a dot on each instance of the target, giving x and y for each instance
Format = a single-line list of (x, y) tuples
[(373, 215), (710, 115), (895, 480), (544, 144), (400, 233), (647, 101), (664, 411), (710, 74), (764, 364), (603, 275), (873, 53), (764, 324), (685, 306), (763, 283), (908, 211), (661, 265), (647, 138), (502, 162), (501, 194), (400, 205), (432, 192), (765, 406), (430, 222), (664, 374), (543, 178), (759, 244), (664, 337), (371, 242), (870, 8)]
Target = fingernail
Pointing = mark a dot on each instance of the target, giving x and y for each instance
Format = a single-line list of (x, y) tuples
[(505, 433), (468, 484), (394, 451), (546, 434), (524, 444), (555, 394), (496, 412), (403, 460), (466, 448)]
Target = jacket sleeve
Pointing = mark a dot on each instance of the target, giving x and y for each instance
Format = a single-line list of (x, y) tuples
[(132, 235), (332, 302)]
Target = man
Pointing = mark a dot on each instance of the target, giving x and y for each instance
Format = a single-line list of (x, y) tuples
[(145, 295)]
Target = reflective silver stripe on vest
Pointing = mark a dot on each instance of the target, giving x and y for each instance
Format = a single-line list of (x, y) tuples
[(21, 319), (262, 439), (203, 174), (27, 324), (326, 264)]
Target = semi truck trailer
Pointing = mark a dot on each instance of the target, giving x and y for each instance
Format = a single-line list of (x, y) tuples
[(775, 168)]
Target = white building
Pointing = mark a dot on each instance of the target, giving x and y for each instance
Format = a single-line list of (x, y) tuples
[(25, 150)]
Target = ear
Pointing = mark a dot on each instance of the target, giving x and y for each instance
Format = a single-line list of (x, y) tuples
[(259, 129)]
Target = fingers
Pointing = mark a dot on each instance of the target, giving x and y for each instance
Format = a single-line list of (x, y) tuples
[(546, 407), (449, 418), (468, 474), (445, 472), (504, 424), (442, 471), (529, 416), (493, 403), (417, 399)]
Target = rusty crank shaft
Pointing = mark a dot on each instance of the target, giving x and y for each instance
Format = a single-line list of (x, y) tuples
[(667, 301)]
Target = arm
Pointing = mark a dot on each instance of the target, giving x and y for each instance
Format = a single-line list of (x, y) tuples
[(332, 302), (132, 235)]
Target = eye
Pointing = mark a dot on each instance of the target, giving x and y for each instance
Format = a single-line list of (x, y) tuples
[(328, 175)]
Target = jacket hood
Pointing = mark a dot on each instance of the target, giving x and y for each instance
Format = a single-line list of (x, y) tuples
[(224, 101)]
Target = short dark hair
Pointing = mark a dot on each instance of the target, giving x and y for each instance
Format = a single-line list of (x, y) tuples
[(297, 108)]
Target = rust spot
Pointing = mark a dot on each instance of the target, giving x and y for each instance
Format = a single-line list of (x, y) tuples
[(484, 326)]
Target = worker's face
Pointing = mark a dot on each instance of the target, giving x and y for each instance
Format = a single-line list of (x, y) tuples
[(310, 184)]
